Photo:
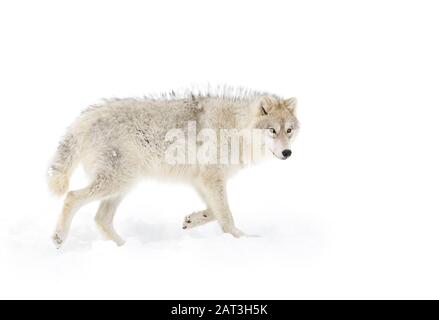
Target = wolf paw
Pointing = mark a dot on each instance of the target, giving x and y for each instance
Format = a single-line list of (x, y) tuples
[(234, 232), (237, 233), (187, 223), (58, 240), (197, 219)]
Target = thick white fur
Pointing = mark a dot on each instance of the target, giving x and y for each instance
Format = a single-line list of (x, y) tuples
[(121, 141)]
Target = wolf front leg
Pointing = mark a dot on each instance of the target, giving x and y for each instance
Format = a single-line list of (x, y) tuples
[(212, 188), (104, 219)]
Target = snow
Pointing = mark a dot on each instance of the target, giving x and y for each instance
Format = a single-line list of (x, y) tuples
[(354, 212), (159, 260)]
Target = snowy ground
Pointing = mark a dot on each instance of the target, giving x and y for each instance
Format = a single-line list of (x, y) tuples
[(321, 236), (160, 260), (353, 214)]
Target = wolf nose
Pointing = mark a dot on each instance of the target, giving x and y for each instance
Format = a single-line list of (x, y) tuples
[(286, 153)]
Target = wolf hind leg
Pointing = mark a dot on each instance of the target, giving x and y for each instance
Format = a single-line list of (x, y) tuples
[(197, 219), (104, 219), (103, 186)]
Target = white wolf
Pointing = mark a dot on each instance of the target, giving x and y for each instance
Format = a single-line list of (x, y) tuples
[(122, 140)]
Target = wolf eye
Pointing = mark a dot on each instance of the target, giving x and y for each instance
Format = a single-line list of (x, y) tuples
[(289, 130), (272, 131)]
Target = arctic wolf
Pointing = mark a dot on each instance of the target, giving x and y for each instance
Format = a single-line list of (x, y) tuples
[(121, 141)]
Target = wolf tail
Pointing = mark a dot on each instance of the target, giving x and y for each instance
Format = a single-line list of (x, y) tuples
[(63, 164)]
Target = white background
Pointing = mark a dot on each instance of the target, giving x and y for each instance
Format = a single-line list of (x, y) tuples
[(354, 212)]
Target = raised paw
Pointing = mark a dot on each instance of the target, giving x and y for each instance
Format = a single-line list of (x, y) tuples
[(197, 219), (187, 223)]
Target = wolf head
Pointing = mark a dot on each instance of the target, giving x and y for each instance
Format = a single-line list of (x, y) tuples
[(277, 119)]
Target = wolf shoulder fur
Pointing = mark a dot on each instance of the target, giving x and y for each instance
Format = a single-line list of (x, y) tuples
[(124, 140)]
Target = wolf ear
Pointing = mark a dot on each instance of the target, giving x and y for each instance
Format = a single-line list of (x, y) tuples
[(264, 106), (291, 104)]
